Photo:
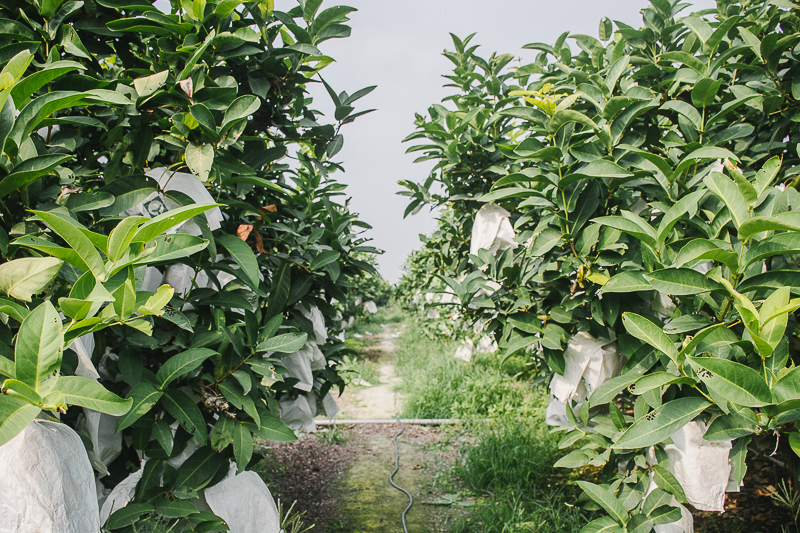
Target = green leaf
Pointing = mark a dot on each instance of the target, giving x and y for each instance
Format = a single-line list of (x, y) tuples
[(18, 389), (92, 395), (687, 111), (656, 380), (242, 107), (789, 220), (731, 426), (23, 278), (706, 152), (242, 446), (150, 84), (171, 247), (767, 173), (704, 249), (684, 205), (175, 508), (324, 258), (198, 469), (165, 221), (272, 428), (155, 303), (279, 290), (199, 159), (30, 170), (39, 109), (774, 316), (737, 383), (15, 415), (121, 237), (39, 346), (186, 412), (605, 524), (222, 434), (163, 434), (643, 329), (704, 92), (666, 481), (128, 515), (632, 225), (680, 281), (780, 244), (661, 423), (727, 191), (144, 396), (25, 87), (181, 364), (606, 500), (627, 281), (78, 241), (241, 253), (187, 69), (286, 343)]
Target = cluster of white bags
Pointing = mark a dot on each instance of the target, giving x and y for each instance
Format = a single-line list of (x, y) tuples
[(589, 362), (242, 500), (299, 412)]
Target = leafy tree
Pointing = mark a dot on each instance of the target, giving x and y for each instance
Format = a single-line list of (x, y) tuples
[(651, 178), (101, 103)]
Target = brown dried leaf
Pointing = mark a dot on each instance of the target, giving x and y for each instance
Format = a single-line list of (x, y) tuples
[(244, 231)]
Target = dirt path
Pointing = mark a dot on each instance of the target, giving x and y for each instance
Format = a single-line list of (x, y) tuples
[(340, 477), (381, 400)]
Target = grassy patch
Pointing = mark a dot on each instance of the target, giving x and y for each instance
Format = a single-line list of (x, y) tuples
[(357, 371), (510, 462), (437, 385)]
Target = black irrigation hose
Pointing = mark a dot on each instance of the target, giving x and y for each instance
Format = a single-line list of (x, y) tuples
[(396, 468)]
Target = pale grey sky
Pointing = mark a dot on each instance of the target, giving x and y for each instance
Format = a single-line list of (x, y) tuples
[(397, 46)]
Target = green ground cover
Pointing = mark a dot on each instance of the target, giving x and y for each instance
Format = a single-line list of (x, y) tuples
[(509, 462)]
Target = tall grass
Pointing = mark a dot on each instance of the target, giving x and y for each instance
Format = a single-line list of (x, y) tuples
[(437, 385), (511, 460)]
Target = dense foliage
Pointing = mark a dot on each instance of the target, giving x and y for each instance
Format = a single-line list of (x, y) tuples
[(650, 176), (102, 101)]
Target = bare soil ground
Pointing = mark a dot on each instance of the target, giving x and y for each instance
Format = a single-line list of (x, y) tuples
[(340, 477)]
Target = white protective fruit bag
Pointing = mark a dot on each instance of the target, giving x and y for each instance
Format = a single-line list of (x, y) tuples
[(700, 466), (47, 482), (245, 503), (492, 230), (589, 362)]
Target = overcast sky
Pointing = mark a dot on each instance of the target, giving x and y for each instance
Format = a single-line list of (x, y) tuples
[(397, 46)]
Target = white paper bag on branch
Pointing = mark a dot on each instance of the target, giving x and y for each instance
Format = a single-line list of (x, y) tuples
[(492, 230), (245, 503), (298, 413), (46, 482), (100, 428), (700, 466)]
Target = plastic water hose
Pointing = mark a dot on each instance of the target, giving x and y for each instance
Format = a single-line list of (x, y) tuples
[(396, 468)]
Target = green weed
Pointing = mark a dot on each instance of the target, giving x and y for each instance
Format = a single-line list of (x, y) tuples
[(437, 385)]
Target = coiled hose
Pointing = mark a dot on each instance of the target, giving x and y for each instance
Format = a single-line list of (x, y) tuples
[(396, 469)]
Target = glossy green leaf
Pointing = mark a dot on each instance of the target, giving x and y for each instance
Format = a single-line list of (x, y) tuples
[(643, 329), (144, 396), (39, 346), (181, 364), (286, 343), (733, 381), (241, 253), (661, 423), (92, 395), (186, 412), (26, 277)]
